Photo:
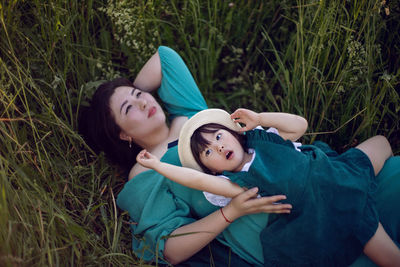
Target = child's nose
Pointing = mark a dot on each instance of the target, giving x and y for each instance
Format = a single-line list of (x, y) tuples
[(220, 148)]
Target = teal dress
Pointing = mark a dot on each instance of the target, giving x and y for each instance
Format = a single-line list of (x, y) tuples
[(333, 213), (158, 206)]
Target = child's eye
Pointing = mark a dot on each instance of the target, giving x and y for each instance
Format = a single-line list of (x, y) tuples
[(138, 94), (218, 136), (207, 152)]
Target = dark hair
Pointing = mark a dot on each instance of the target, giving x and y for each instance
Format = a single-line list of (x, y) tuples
[(198, 143), (101, 132)]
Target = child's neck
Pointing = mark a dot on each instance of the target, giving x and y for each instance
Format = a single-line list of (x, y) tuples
[(246, 158)]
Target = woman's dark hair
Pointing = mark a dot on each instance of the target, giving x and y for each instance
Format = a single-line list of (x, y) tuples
[(101, 132), (198, 143)]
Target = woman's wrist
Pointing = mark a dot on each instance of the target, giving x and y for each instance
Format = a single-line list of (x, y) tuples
[(229, 213), (223, 215)]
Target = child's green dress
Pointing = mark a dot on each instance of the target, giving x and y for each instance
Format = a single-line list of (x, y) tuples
[(333, 213)]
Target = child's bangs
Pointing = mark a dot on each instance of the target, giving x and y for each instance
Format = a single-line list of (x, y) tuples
[(197, 142)]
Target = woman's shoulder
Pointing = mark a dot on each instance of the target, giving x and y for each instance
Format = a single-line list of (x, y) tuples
[(135, 170)]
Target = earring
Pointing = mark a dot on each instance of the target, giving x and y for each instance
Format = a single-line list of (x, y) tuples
[(130, 143)]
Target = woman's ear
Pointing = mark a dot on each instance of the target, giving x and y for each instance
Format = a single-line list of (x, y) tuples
[(123, 136)]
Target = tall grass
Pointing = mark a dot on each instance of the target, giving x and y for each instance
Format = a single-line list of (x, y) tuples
[(335, 62)]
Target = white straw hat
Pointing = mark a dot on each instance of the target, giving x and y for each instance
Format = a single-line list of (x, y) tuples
[(206, 116)]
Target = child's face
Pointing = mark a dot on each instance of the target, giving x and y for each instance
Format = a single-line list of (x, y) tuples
[(224, 152)]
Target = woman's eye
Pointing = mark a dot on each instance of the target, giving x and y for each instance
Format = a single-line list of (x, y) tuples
[(138, 94), (218, 136), (127, 109), (208, 152)]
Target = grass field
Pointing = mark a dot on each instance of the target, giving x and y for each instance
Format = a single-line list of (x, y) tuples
[(334, 62)]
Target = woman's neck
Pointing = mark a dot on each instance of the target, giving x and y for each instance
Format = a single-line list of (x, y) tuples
[(155, 139)]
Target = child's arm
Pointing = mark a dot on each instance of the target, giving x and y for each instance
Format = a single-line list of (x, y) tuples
[(290, 126), (189, 177)]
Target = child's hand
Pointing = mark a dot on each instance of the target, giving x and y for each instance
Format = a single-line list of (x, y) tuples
[(146, 159), (249, 118)]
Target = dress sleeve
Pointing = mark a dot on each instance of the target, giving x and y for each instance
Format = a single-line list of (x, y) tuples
[(258, 135), (154, 212), (275, 131), (178, 90)]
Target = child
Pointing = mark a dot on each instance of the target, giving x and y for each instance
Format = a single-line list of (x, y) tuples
[(333, 218)]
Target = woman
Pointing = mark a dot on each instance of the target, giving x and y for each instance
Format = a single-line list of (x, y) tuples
[(123, 117)]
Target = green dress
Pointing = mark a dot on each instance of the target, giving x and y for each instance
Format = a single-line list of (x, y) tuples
[(333, 213)]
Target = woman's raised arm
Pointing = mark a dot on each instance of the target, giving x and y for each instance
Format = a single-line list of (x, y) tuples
[(149, 77)]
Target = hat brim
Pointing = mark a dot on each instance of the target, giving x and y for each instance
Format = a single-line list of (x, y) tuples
[(199, 119)]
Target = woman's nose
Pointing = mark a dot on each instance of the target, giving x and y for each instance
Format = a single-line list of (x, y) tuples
[(142, 103)]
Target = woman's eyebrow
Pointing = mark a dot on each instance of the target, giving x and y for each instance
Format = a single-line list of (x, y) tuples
[(126, 101)]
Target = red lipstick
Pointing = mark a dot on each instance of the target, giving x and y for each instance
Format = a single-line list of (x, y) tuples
[(152, 111)]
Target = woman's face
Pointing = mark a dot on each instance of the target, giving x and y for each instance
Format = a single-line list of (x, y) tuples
[(224, 153), (137, 113)]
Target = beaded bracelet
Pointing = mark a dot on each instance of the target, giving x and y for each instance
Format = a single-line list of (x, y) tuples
[(226, 219)]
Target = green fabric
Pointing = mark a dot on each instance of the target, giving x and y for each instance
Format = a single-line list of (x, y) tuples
[(178, 90), (215, 254), (331, 198)]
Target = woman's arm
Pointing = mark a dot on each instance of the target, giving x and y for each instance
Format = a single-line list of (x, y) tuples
[(290, 126), (149, 77), (193, 237), (190, 177)]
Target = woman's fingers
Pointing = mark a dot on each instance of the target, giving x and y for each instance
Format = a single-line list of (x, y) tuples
[(278, 208), (248, 194), (267, 204)]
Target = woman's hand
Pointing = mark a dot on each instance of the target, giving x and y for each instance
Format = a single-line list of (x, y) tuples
[(146, 159), (248, 203), (250, 118)]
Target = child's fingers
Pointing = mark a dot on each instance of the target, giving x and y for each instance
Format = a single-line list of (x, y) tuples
[(236, 114)]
